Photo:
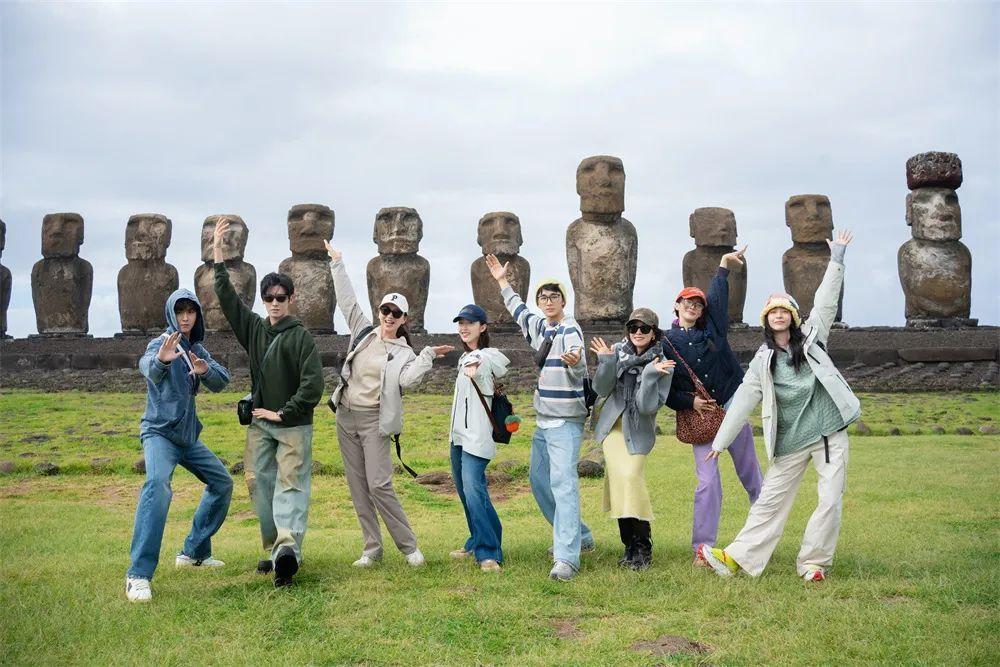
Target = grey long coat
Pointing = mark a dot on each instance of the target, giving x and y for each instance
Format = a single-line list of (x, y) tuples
[(650, 395)]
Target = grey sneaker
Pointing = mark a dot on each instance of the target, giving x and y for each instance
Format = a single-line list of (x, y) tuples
[(562, 571)]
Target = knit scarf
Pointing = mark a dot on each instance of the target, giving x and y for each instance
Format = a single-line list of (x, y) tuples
[(633, 363)]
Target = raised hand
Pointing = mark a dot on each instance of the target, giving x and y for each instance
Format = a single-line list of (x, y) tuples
[(571, 358), (844, 237), (441, 350), (169, 349), (731, 259), (664, 366), (470, 370), (599, 346), (221, 227), (334, 254), (497, 270), (198, 366)]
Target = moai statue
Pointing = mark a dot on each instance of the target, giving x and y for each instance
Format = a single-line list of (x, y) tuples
[(61, 282), (714, 232), (5, 283), (242, 275), (601, 245), (147, 280), (309, 266), (398, 267), (935, 268), (804, 264), (499, 234)]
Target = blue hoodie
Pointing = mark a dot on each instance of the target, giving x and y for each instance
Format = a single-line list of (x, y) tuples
[(170, 388)]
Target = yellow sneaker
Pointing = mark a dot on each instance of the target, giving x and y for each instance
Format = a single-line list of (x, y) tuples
[(719, 560)]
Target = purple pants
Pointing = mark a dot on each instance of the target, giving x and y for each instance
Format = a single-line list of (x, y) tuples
[(708, 493)]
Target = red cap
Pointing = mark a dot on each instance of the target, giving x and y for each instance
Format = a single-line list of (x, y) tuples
[(691, 293)]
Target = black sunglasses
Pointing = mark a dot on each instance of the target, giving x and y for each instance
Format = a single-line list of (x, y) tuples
[(389, 310), (644, 328), (280, 298)]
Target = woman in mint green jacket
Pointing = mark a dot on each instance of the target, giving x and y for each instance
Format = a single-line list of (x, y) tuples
[(806, 406)]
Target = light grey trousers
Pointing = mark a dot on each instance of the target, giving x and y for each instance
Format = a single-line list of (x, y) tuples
[(368, 468)]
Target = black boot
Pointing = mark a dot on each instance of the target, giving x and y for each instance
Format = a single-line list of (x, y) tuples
[(643, 550), (626, 530)]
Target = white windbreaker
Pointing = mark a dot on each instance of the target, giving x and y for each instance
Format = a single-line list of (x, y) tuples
[(470, 424)]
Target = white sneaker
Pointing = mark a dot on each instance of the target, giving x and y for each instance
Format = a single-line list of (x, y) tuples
[(366, 561), (416, 559), (186, 561), (562, 571), (138, 590)]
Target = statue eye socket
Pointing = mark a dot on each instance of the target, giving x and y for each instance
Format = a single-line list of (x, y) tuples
[(951, 199)]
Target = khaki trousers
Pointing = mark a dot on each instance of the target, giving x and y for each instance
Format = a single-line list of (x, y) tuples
[(368, 468), (755, 543)]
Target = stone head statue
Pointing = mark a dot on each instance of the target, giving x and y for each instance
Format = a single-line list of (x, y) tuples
[(810, 218), (600, 182), (398, 231), (308, 226), (934, 214), (713, 226), (234, 241), (935, 169), (62, 235), (500, 233), (147, 236)]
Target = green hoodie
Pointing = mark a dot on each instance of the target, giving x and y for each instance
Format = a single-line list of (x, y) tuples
[(292, 379)]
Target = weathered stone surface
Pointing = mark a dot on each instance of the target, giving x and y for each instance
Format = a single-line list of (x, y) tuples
[(499, 233), (309, 267), (936, 278), (810, 218), (714, 233), (934, 169), (5, 283), (146, 281), (61, 282), (934, 214), (6, 467), (601, 246), (947, 354), (963, 430), (47, 468), (241, 274), (139, 466), (398, 268)]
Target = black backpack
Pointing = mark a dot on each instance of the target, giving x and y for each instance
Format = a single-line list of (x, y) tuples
[(498, 410)]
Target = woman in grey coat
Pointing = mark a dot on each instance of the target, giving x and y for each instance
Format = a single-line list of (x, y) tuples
[(636, 381)]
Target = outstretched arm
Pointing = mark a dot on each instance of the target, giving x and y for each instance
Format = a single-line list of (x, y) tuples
[(531, 325), (827, 299), (347, 300), (240, 317)]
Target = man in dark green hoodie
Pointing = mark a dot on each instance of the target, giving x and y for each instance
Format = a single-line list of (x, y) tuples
[(287, 378)]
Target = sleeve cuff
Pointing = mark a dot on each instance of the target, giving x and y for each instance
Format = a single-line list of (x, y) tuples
[(722, 272)]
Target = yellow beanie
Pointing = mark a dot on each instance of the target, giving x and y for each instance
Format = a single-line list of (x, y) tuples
[(552, 281), (781, 300)]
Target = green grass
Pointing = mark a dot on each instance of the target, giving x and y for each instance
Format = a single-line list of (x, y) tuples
[(915, 580)]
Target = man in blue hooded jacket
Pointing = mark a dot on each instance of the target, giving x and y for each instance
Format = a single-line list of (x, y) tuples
[(175, 366)]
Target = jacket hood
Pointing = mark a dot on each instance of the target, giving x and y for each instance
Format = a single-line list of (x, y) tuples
[(285, 323), (198, 331), (497, 358)]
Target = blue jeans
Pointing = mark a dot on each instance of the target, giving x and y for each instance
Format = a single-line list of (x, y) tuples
[(278, 468), (485, 531), (162, 456), (554, 483)]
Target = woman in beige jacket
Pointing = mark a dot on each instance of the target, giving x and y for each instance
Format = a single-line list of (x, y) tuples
[(806, 408), (379, 365)]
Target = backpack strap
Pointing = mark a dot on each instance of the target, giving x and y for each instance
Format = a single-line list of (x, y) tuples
[(482, 399), (399, 455)]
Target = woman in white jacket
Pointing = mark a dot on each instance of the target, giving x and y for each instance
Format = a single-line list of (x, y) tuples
[(369, 406), (472, 445), (806, 408)]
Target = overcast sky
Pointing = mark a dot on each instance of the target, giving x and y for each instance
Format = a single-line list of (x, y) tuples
[(194, 109)]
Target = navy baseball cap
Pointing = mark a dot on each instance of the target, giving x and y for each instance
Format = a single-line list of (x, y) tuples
[(472, 313)]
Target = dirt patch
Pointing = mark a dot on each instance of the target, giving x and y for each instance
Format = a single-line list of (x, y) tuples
[(244, 514), (502, 485), (566, 628), (670, 645), (36, 438), (16, 490)]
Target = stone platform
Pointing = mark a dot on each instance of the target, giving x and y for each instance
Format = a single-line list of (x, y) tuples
[(872, 359)]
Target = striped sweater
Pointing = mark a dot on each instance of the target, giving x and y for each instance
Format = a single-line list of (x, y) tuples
[(559, 394)]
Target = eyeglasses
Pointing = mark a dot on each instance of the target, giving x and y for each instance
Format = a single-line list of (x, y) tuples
[(280, 298), (694, 304), (548, 298), (644, 328), (389, 310)]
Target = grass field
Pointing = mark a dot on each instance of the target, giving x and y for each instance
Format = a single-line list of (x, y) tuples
[(916, 579)]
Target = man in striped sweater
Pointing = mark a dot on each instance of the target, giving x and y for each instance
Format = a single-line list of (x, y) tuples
[(560, 409)]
